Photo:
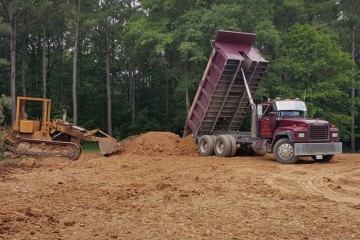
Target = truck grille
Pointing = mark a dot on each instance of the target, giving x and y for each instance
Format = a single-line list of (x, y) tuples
[(318, 132)]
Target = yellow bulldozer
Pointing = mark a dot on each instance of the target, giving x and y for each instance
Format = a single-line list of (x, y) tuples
[(34, 133)]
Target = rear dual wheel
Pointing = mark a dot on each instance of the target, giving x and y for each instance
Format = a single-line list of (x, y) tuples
[(223, 145), (206, 145), (233, 146)]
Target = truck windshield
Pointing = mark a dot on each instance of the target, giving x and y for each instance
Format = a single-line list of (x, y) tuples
[(290, 105), (290, 113)]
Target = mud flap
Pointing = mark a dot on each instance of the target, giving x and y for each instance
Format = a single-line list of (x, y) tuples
[(108, 146)]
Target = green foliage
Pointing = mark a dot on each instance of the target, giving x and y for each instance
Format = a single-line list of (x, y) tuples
[(2, 152), (314, 67), (289, 12), (267, 39), (4, 61), (2, 149), (90, 147), (166, 44), (2, 156), (4, 28), (134, 129), (148, 37), (5, 104)]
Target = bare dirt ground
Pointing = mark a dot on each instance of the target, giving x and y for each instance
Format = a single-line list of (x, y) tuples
[(159, 188)]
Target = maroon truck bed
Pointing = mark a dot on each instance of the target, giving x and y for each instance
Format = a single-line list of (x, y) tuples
[(221, 101)]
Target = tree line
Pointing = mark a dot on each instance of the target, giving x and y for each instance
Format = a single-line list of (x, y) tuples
[(130, 66)]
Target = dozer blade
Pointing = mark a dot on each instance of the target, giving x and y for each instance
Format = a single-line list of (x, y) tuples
[(108, 146)]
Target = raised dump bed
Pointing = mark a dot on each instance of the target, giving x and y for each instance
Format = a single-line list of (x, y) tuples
[(222, 100)]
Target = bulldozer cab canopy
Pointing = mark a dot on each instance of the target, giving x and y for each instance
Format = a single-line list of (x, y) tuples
[(32, 108)]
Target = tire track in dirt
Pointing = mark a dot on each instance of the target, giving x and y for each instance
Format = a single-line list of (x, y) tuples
[(330, 187), (342, 186), (284, 181), (181, 197)]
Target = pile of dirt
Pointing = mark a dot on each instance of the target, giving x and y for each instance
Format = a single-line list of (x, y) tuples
[(160, 144), (188, 147)]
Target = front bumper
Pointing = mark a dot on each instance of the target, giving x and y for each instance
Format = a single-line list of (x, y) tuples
[(329, 148)]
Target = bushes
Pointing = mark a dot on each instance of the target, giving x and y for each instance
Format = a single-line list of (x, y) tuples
[(2, 149)]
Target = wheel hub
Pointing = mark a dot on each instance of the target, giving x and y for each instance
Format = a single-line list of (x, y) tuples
[(220, 147), (204, 147), (286, 151)]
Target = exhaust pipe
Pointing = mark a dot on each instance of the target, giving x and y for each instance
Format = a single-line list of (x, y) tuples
[(253, 108), (254, 127)]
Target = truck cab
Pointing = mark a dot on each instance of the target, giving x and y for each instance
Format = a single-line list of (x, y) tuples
[(283, 124)]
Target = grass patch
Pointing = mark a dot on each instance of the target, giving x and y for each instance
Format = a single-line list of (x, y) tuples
[(90, 147)]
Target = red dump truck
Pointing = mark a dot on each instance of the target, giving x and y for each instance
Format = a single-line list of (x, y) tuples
[(224, 97)]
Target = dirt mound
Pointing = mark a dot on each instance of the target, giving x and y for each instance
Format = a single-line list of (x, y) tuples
[(187, 146), (160, 144), (137, 196)]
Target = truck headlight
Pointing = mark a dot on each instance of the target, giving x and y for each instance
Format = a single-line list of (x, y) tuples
[(301, 135), (335, 135)]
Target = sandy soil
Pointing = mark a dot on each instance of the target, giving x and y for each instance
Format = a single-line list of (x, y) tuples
[(158, 188)]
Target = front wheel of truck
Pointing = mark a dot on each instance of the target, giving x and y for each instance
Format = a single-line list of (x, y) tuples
[(284, 151), (326, 158)]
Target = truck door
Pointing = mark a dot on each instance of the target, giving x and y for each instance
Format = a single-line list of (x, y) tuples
[(264, 126)]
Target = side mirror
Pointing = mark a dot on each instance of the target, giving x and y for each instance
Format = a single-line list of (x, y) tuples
[(272, 120), (259, 110)]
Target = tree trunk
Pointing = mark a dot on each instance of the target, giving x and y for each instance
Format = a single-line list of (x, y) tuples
[(11, 14), (23, 72), (131, 70), (44, 65), (187, 100), (108, 82), (13, 68), (353, 94), (132, 89), (167, 97), (74, 83)]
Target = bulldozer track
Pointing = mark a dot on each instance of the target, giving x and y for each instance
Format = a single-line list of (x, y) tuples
[(47, 148)]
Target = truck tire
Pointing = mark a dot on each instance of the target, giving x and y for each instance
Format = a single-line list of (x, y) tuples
[(222, 146), (284, 151), (206, 145), (233, 145), (326, 158)]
